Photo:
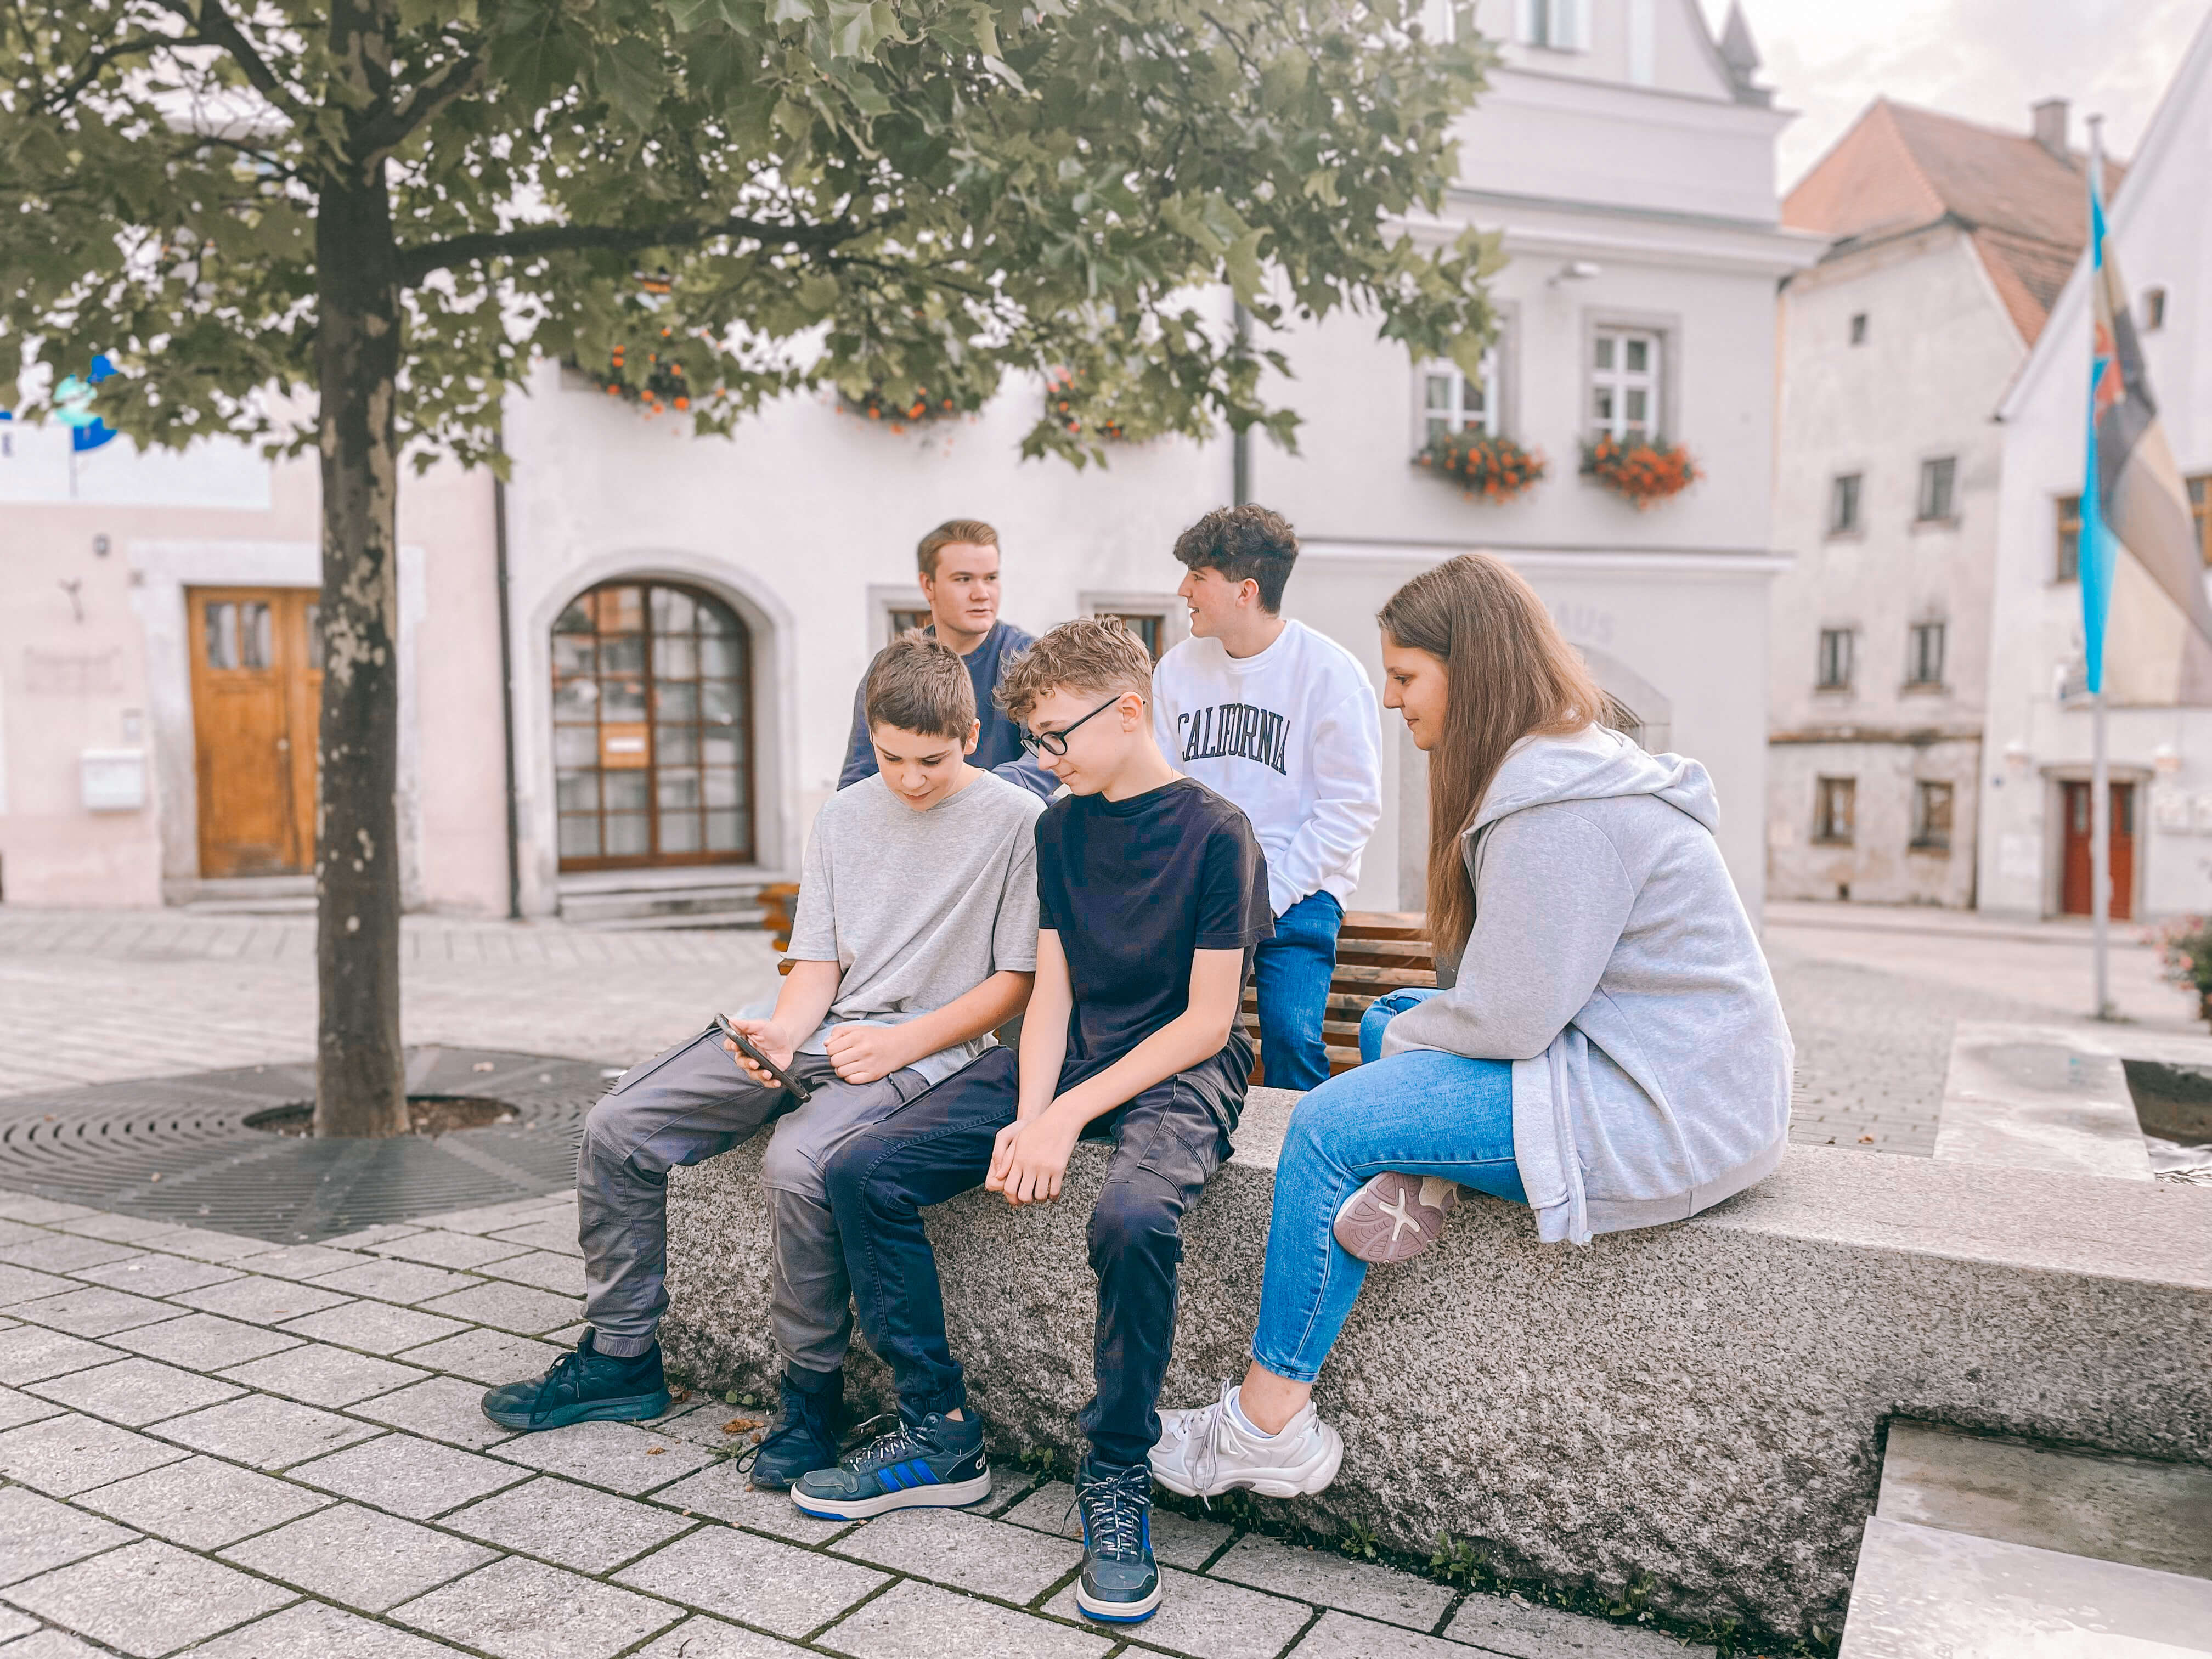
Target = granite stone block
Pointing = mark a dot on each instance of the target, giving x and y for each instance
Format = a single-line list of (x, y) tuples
[(50, 1643), (399, 1474), (357, 1557), (1522, 1629), (458, 1251), (17, 1409), (37, 1535), (265, 1433), (157, 1275), (136, 1391), (374, 1327), (1206, 1619), (517, 1609), (202, 1341), (569, 1525), (308, 1629), (620, 1456), (486, 1357), (543, 1270), (14, 1624), (148, 1599), (367, 1238), (403, 1282), (966, 1552), (505, 1307), (786, 1590), (306, 1261), (260, 1301), (118, 1229), (93, 1310), (202, 1503), (724, 1492), (1331, 1580), (321, 1375), (491, 1217), (922, 1621), (1667, 1437), (64, 1456), (1177, 1540), (202, 1244), (31, 1355), (40, 1212), (558, 1236), (446, 1408), (62, 1253), (21, 1284), (1340, 1635), (701, 1637)]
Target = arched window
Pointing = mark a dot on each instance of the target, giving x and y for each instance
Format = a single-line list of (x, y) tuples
[(652, 749)]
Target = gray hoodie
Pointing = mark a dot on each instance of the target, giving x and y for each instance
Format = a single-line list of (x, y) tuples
[(1612, 963)]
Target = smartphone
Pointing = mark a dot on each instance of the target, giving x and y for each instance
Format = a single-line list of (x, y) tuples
[(746, 1047)]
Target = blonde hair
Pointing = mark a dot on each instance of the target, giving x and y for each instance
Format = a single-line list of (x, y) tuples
[(919, 685), (953, 532), (1509, 673), (1096, 655)]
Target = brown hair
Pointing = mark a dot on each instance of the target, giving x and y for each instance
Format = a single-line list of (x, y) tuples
[(919, 685), (1509, 672), (1096, 654), (1247, 543), (953, 531)]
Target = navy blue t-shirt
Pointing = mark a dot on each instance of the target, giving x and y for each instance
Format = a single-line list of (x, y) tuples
[(998, 745), (1133, 888)]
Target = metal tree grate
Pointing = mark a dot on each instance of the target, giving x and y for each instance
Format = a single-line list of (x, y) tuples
[(179, 1149)]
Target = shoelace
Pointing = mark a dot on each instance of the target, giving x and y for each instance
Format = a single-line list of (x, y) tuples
[(900, 1443), (559, 1376), (1204, 1426), (1114, 1511), (787, 1423)]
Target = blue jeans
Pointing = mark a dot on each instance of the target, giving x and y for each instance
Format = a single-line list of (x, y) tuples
[(1421, 1112), (1291, 973), (1380, 1012)]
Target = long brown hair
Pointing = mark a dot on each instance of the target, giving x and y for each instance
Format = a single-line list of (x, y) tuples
[(1509, 672)]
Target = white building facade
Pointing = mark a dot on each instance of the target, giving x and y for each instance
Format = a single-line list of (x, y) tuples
[(2036, 802), (1629, 164)]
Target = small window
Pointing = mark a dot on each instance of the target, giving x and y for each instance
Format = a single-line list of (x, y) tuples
[(1149, 626), (1625, 384), (1938, 479), (1562, 25), (1453, 401), (1924, 658), (239, 636), (2069, 566), (1931, 817), (1835, 810), (1858, 327), (899, 619), (1835, 666), (2154, 309), (1844, 504)]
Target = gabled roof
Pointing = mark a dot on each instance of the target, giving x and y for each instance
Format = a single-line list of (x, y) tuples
[(1901, 169)]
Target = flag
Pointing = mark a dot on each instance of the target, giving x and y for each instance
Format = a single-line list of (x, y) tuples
[(2143, 574)]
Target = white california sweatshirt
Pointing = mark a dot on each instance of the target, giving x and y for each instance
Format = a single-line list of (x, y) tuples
[(1292, 736)]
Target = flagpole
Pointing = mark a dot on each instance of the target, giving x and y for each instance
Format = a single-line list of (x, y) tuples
[(2100, 788)]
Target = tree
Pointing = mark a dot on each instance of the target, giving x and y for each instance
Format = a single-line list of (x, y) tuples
[(393, 207)]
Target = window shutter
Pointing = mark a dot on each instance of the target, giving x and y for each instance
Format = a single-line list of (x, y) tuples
[(1524, 22), (1571, 25)]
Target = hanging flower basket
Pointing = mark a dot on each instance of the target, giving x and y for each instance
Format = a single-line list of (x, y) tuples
[(1486, 468), (897, 410), (1645, 470), (659, 383)]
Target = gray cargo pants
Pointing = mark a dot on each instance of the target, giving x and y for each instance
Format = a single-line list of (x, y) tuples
[(690, 1104)]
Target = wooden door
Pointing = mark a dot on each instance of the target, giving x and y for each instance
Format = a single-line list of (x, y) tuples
[(2075, 898), (257, 693)]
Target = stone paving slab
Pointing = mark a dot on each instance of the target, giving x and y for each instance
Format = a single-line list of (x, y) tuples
[(148, 1599), (21, 1284), (61, 1253), (260, 1301), (505, 1307), (1524, 1629), (93, 1312), (419, 1529), (558, 1236), (459, 1250), (387, 1280), (543, 1270)]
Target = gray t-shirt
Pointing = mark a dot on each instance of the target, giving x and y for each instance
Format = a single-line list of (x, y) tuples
[(918, 908)]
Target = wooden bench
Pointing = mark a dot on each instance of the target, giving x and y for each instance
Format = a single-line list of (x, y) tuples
[(1378, 952)]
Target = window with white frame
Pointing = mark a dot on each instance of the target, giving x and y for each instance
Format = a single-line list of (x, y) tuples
[(1561, 25), (1625, 382), (1453, 400)]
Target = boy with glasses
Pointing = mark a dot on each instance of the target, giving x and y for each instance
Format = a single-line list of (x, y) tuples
[(1152, 893), (915, 937)]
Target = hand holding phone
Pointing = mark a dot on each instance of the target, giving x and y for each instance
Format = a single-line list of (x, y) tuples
[(753, 1052)]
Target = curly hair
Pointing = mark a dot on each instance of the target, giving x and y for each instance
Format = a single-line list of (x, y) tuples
[(1096, 655), (1243, 543)]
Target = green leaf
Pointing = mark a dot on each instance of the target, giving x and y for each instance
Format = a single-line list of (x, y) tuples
[(628, 74)]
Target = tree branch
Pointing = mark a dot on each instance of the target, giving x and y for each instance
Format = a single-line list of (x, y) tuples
[(217, 28), (416, 263), (62, 97), (395, 126)]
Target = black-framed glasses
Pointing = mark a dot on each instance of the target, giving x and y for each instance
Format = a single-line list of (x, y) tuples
[(1055, 742)]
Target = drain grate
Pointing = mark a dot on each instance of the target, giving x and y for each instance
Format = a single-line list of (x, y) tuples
[(181, 1149)]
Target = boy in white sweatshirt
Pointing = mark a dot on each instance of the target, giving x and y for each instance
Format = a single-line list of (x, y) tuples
[(1282, 722)]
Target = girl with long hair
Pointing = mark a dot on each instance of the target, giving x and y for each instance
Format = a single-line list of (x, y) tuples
[(1606, 1046)]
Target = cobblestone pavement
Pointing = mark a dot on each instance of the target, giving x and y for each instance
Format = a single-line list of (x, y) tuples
[(216, 1445)]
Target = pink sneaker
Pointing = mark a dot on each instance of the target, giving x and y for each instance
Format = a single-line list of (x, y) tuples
[(1395, 1217)]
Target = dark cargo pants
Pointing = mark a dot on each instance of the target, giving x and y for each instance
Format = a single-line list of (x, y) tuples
[(689, 1104), (1167, 1142)]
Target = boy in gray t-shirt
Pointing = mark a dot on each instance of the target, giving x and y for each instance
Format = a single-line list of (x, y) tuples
[(915, 938)]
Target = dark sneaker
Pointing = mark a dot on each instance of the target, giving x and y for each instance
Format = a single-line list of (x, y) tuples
[(938, 1462), (583, 1387), (803, 1439), (1120, 1583)]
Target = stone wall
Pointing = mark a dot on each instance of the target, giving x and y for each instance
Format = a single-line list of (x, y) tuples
[(1704, 1402)]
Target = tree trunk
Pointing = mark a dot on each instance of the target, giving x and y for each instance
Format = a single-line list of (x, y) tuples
[(360, 1077)]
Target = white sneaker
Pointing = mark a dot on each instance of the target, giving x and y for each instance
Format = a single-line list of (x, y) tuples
[(1205, 1452)]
